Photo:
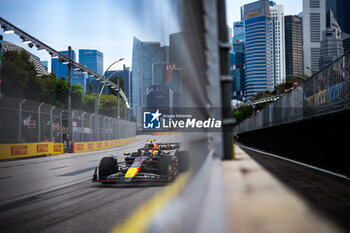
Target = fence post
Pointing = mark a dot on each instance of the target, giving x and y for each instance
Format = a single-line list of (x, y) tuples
[(20, 121), (104, 128), (61, 125), (82, 126), (91, 131), (98, 128), (39, 122), (51, 124)]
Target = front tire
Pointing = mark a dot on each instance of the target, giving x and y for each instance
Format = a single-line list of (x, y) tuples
[(107, 167)]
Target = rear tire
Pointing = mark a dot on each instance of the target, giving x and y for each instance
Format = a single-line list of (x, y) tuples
[(183, 160), (107, 167)]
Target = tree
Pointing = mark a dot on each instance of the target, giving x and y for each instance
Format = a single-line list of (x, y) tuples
[(109, 106), (88, 102), (121, 83), (16, 71)]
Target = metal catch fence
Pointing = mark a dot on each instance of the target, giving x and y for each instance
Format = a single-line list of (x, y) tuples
[(24, 121), (326, 92)]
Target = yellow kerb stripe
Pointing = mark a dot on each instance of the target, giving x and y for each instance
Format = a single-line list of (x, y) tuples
[(140, 219)]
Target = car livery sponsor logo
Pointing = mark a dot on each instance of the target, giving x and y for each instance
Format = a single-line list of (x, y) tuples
[(152, 120)]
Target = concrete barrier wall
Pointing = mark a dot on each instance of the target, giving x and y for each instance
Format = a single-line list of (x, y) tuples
[(22, 150), (320, 141), (100, 145)]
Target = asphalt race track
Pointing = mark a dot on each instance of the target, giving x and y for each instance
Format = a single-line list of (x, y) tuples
[(55, 194)]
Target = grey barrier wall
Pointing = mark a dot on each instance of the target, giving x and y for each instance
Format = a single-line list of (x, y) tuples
[(327, 91), (30, 121)]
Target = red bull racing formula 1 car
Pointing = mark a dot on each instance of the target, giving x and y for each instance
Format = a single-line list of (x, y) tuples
[(153, 163)]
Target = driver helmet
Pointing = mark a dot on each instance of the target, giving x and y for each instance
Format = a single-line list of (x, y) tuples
[(150, 148)]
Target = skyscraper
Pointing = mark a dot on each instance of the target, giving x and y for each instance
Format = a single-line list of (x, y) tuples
[(314, 22), (294, 44), (278, 66), (257, 47), (341, 9), (125, 74), (144, 56), (332, 43), (176, 55), (238, 28), (92, 59), (61, 70), (237, 61)]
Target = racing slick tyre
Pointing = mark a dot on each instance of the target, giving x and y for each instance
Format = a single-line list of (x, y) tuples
[(107, 167), (167, 169), (183, 160)]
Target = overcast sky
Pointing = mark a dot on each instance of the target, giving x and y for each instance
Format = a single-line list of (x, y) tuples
[(106, 25)]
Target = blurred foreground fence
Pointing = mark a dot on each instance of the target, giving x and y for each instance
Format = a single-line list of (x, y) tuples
[(24, 121), (326, 92)]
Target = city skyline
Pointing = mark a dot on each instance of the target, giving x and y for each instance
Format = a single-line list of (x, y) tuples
[(123, 15), (110, 30)]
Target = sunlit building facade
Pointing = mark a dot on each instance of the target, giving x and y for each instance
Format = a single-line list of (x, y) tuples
[(257, 24)]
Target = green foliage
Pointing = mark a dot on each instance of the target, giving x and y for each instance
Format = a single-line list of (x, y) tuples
[(16, 72), (19, 79), (109, 106), (121, 83), (242, 113), (88, 102), (77, 96)]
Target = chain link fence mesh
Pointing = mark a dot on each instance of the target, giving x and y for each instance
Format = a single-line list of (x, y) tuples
[(25, 121), (327, 91)]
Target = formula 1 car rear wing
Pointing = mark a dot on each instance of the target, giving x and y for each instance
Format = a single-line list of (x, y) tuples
[(169, 146)]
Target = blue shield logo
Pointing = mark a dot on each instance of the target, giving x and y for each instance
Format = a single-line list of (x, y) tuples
[(152, 120)]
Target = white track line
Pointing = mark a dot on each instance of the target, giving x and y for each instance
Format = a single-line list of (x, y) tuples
[(296, 162)]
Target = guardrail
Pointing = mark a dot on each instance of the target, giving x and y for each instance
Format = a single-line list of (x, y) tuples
[(325, 92)]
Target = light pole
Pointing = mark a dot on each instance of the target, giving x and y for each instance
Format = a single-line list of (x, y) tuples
[(99, 95), (70, 121), (99, 83)]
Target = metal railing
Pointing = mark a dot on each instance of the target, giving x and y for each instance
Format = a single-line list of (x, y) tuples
[(325, 92), (24, 121)]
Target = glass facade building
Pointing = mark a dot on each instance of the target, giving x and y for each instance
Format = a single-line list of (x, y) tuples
[(278, 65), (237, 61), (92, 59), (314, 22), (125, 74), (61, 70), (257, 48), (341, 9), (294, 44), (145, 56)]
